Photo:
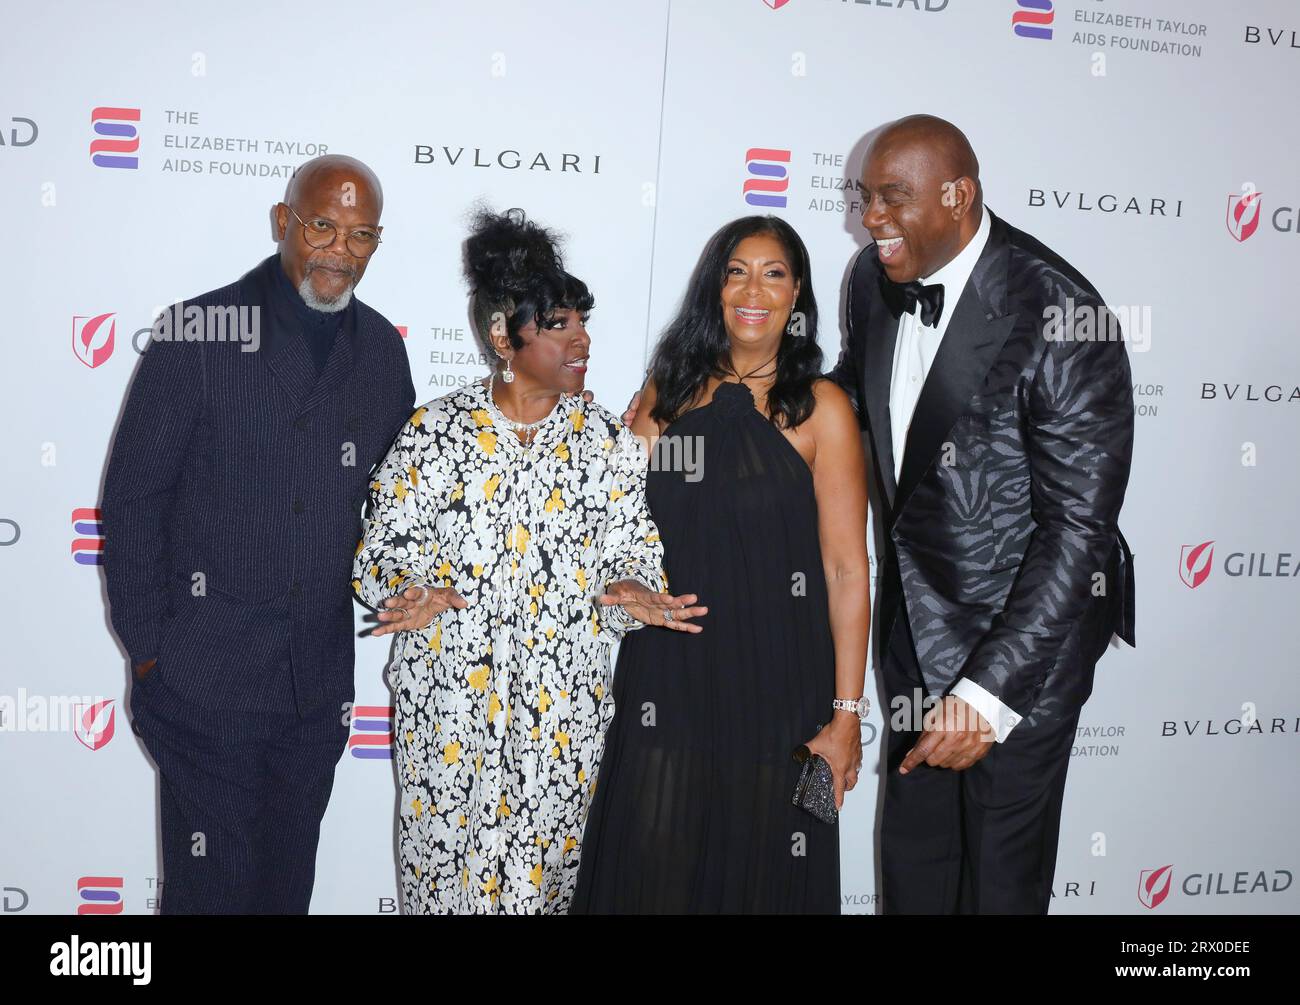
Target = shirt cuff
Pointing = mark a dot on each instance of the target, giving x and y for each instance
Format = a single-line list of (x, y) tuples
[(1001, 717)]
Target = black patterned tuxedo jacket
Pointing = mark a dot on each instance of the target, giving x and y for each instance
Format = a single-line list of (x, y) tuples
[(1001, 534)]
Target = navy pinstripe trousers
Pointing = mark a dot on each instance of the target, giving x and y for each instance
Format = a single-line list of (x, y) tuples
[(242, 796)]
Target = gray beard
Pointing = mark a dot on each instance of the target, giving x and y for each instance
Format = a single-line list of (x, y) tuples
[(310, 298)]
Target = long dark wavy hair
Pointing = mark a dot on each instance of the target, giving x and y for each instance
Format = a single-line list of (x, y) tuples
[(515, 270), (695, 346)]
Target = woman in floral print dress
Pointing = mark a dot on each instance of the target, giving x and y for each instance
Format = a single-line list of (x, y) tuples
[(508, 545)]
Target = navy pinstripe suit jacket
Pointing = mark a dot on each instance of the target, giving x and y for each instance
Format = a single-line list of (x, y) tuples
[(233, 497)]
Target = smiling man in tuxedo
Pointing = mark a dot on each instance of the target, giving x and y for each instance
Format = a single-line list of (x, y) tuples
[(1001, 452)]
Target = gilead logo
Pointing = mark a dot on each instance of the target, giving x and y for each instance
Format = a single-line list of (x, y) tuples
[(94, 724), (1153, 886), (1195, 562), (1243, 215), (93, 337)]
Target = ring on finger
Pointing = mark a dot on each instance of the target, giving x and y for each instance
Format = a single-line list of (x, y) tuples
[(668, 614)]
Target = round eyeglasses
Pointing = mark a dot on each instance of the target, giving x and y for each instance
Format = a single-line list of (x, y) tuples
[(321, 233)]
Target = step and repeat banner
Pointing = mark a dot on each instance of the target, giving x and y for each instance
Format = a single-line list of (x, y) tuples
[(1146, 141)]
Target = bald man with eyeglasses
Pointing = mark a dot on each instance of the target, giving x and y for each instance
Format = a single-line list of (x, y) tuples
[(231, 510)]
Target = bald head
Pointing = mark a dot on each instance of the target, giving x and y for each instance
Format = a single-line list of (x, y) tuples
[(335, 170), (923, 196), (331, 191), (940, 139)]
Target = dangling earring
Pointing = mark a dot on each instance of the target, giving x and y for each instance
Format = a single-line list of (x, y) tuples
[(507, 374)]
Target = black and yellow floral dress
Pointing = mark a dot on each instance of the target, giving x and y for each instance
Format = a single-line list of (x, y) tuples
[(501, 708)]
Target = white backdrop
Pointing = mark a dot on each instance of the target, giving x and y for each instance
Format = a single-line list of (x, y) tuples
[(1124, 140)]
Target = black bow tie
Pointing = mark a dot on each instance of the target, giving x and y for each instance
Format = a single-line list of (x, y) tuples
[(902, 298)]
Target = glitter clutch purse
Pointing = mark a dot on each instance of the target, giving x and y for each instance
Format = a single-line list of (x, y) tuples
[(815, 790)]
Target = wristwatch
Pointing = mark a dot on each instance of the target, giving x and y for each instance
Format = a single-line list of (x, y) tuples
[(861, 706)]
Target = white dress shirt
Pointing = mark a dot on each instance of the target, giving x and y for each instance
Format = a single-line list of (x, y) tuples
[(914, 352)]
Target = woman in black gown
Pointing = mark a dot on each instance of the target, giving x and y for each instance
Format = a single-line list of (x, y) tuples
[(758, 488)]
